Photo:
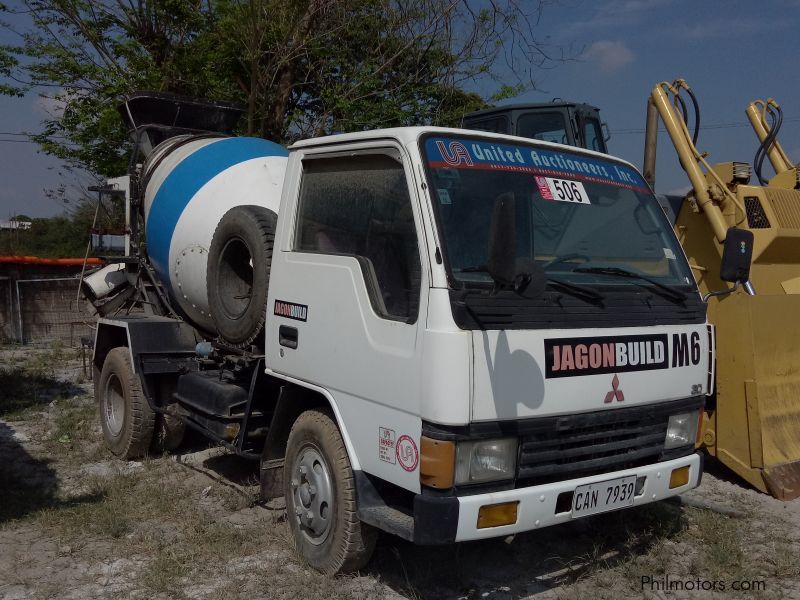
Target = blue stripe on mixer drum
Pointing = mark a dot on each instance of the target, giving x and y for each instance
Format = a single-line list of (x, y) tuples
[(186, 179)]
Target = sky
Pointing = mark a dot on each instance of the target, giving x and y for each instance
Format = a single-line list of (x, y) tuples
[(729, 51)]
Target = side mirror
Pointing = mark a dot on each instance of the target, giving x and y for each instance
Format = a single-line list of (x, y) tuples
[(737, 254), (502, 265), (606, 131)]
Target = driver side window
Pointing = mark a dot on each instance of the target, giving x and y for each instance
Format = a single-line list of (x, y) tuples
[(360, 206)]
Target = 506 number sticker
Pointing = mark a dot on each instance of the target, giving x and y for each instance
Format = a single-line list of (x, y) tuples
[(562, 190)]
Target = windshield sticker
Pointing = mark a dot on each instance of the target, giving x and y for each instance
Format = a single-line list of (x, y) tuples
[(444, 196), (562, 190), (669, 254), (472, 154), (570, 357)]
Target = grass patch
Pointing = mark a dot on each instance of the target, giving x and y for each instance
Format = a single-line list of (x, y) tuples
[(125, 500), (21, 390), (29, 382), (721, 541), (164, 572), (73, 425)]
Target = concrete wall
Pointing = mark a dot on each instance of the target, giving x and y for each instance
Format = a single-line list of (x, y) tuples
[(39, 303)]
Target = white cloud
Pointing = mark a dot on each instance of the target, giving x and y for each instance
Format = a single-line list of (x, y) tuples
[(728, 27), (608, 55), (50, 106), (612, 14)]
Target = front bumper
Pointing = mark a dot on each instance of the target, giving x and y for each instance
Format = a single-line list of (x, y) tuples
[(441, 520)]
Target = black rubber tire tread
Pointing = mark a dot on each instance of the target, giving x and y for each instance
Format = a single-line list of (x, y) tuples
[(350, 545), (136, 434), (255, 227), (167, 433)]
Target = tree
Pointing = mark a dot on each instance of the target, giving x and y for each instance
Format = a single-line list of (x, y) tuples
[(300, 67)]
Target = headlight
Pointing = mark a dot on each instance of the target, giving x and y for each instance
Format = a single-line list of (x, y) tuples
[(681, 430), (485, 460)]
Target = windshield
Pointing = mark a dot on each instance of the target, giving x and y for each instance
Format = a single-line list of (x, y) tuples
[(577, 217), (547, 126)]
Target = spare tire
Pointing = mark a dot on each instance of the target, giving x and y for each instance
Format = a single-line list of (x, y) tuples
[(238, 273)]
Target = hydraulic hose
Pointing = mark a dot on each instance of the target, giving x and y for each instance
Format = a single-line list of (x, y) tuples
[(776, 116), (696, 106), (681, 103)]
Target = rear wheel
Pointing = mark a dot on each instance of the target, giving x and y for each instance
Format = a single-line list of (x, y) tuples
[(125, 416), (321, 497)]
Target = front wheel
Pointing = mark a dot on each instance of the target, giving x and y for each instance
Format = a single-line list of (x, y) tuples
[(321, 497)]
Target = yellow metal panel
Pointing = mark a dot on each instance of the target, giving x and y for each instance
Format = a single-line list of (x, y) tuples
[(791, 286), (787, 207), (753, 424)]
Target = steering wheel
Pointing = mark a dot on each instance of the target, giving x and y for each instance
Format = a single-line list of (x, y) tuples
[(566, 258)]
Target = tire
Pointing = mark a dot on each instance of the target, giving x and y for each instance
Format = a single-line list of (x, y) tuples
[(339, 543), (125, 415), (239, 261)]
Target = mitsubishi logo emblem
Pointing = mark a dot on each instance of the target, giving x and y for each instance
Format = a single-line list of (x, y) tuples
[(615, 391)]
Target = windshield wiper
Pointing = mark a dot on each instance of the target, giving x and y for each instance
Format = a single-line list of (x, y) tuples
[(576, 290), (669, 292), (570, 288)]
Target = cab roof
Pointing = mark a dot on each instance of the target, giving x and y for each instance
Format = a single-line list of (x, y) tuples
[(411, 135)]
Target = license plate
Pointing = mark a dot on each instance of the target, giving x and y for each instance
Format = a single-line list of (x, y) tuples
[(603, 496)]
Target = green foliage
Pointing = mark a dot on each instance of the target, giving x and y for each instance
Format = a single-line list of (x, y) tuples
[(56, 237), (64, 236), (299, 67)]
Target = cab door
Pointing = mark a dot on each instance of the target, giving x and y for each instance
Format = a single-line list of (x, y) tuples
[(347, 299)]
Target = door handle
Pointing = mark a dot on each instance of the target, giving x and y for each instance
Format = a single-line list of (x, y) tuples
[(287, 336)]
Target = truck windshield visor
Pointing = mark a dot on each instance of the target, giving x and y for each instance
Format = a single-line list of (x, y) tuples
[(578, 216)]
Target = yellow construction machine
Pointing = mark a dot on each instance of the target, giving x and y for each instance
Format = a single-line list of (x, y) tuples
[(753, 424)]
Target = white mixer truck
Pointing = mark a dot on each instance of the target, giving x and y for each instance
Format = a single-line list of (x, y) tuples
[(443, 334)]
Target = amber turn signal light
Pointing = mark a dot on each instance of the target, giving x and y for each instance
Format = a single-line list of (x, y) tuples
[(701, 420), (437, 463), (679, 477), (494, 515)]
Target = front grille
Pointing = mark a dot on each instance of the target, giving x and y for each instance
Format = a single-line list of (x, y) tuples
[(587, 444)]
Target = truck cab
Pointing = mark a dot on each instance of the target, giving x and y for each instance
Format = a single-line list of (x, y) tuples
[(507, 330), (560, 122)]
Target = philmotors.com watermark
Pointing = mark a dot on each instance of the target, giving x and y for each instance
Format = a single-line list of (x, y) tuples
[(671, 583)]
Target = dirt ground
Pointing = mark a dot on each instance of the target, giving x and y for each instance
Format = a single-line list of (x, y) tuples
[(75, 523)]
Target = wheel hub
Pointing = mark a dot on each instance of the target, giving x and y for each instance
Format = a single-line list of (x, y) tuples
[(114, 405), (312, 494)]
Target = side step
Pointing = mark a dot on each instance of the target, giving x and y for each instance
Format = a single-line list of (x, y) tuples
[(388, 519)]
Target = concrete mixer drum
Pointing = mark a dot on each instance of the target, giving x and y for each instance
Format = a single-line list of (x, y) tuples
[(195, 180)]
